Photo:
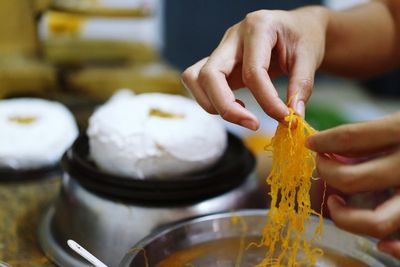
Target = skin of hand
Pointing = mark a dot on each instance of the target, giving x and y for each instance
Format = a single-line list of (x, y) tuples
[(262, 46), (360, 42), (377, 143)]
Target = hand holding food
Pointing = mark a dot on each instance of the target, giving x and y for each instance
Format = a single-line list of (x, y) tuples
[(375, 149), (264, 45)]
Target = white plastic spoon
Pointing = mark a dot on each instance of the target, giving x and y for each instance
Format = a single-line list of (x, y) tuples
[(85, 254)]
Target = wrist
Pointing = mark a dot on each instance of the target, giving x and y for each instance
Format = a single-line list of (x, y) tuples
[(317, 13)]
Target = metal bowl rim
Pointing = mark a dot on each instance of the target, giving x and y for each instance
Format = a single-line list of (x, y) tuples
[(247, 212)]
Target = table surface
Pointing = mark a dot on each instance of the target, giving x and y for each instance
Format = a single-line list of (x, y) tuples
[(21, 207)]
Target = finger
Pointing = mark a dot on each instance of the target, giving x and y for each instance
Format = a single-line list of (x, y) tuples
[(379, 223), (301, 81), (274, 69), (235, 78), (212, 79), (258, 44), (190, 80), (391, 247), (358, 139), (372, 175)]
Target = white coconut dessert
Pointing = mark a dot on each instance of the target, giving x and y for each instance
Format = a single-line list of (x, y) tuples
[(154, 135), (34, 133)]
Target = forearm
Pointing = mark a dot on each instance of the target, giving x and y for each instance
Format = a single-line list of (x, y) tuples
[(363, 41)]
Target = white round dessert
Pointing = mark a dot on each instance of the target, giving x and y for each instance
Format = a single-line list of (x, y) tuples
[(35, 133), (154, 135)]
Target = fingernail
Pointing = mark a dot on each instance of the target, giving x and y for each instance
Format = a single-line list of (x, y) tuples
[(385, 249), (293, 100), (286, 110), (300, 108), (184, 84), (249, 124), (308, 143)]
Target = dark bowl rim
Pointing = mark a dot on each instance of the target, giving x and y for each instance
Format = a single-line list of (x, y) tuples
[(12, 175), (223, 175)]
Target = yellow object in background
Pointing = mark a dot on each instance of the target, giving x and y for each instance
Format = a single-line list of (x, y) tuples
[(61, 23), (102, 82), (137, 8), (23, 76), (41, 5), (71, 39), (257, 143), (77, 52), (17, 28)]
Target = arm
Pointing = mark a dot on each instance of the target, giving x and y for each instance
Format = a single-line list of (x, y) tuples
[(363, 41)]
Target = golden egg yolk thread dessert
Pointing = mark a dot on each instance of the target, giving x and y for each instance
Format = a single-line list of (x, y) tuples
[(290, 182), (146, 260), (238, 220)]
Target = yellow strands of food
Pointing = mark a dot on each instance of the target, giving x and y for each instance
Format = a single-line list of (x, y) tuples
[(146, 260), (290, 182), (235, 220)]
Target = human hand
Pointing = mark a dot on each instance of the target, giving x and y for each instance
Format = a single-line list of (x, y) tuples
[(377, 144), (262, 46)]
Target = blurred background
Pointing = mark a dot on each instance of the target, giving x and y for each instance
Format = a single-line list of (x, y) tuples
[(81, 51), (94, 47)]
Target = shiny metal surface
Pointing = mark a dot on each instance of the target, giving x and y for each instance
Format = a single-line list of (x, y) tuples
[(3, 264), (347, 247), (108, 228)]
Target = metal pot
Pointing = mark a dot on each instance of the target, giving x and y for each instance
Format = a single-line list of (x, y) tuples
[(107, 214), (190, 239)]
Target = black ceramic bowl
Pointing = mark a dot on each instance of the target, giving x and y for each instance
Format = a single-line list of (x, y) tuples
[(231, 170), (11, 175)]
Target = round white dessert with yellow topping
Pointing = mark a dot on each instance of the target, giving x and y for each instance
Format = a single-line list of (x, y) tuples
[(34, 133), (154, 135)]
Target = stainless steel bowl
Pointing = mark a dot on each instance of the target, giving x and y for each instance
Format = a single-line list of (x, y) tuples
[(190, 239), (90, 210)]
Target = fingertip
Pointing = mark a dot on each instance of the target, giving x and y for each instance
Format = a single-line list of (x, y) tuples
[(314, 142), (321, 157), (297, 104), (284, 110), (336, 205), (280, 113), (338, 200), (249, 124), (238, 114), (391, 247), (335, 202), (383, 246), (300, 108), (310, 143)]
